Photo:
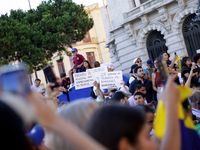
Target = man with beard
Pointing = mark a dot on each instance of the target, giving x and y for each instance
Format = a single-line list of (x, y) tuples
[(139, 72)]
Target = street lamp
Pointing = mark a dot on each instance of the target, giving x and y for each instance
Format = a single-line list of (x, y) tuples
[(198, 12)]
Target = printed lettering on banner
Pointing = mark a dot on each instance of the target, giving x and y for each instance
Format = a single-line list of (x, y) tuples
[(83, 80), (111, 80), (96, 72)]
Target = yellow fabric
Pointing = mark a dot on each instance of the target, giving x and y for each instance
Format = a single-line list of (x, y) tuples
[(160, 117)]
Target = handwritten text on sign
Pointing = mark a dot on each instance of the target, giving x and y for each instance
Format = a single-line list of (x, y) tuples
[(96, 72), (111, 80), (83, 80)]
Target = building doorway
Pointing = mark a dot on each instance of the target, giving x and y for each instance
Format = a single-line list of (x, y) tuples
[(155, 44), (191, 34)]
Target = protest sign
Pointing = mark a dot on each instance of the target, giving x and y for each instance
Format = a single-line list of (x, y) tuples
[(83, 80), (96, 72), (111, 79)]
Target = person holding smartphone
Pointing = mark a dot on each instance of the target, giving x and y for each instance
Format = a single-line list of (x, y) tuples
[(186, 65), (78, 64)]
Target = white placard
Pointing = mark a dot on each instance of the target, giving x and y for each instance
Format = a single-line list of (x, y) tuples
[(83, 80), (96, 72), (111, 79)]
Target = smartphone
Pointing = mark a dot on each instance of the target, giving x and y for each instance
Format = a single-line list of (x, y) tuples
[(14, 79), (163, 69), (196, 70), (175, 53), (48, 71)]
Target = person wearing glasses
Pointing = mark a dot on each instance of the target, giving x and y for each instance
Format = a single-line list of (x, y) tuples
[(137, 61)]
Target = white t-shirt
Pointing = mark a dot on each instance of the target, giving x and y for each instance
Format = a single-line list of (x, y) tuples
[(131, 79), (37, 89)]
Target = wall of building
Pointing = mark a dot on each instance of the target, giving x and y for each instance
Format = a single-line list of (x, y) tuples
[(128, 38)]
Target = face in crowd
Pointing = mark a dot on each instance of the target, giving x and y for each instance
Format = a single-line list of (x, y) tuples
[(85, 64), (139, 62), (37, 83), (165, 56), (140, 73), (155, 64), (188, 62), (142, 90), (150, 120), (139, 99), (75, 53)]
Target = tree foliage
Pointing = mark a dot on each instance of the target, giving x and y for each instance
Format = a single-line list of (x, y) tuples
[(34, 36)]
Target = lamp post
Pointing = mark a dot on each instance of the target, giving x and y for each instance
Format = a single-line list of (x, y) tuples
[(29, 4)]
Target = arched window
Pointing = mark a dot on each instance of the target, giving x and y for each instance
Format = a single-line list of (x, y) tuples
[(191, 34), (155, 44)]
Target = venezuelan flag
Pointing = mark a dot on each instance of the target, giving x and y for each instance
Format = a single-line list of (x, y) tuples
[(190, 140)]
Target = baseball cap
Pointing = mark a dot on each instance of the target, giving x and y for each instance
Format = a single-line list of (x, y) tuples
[(118, 95), (74, 50), (150, 62), (133, 67)]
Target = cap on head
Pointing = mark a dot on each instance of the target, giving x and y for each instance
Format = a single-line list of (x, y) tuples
[(133, 67), (150, 62), (134, 61), (74, 50), (118, 95)]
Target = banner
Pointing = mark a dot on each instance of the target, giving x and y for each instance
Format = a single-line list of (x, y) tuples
[(111, 79), (96, 72), (83, 80)]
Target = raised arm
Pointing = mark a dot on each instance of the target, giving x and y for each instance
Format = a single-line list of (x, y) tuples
[(173, 62), (98, 90), (47, 118), (172, 136)]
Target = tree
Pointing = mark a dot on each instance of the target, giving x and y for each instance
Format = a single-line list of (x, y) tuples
[(34, 36)]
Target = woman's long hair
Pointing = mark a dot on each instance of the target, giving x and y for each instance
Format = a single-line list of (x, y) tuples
[(183, 61), (88, 64)]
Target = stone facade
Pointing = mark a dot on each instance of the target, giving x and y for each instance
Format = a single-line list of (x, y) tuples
[(130, 27)]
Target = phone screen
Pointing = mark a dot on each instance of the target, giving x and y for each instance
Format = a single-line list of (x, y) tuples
[(50, 76), (15, 82)]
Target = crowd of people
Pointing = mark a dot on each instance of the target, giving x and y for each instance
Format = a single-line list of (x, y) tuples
[(119, 118)]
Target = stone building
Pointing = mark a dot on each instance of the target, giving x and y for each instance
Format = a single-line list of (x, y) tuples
[(144, 28), (92, 47)]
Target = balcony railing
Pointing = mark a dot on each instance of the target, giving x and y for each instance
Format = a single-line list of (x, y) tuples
[(147, 5)]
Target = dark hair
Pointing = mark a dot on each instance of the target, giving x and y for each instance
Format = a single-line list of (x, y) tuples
[(62, 75), (183, 61), (111, 123), (88, 63), (166, 53), (139, 93), (113, 90), (96, 64), (145, 109), (139, 86), (136, 69), (37, 80), (196, 57)]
